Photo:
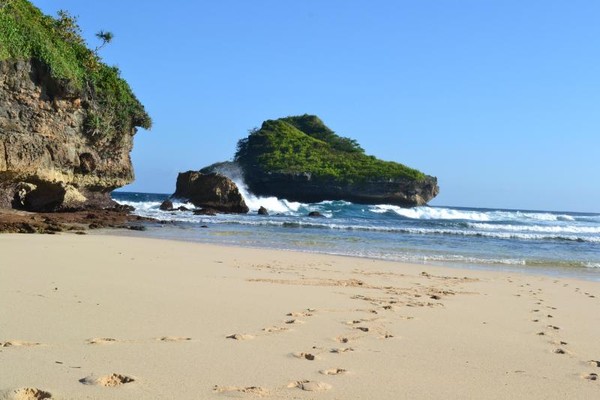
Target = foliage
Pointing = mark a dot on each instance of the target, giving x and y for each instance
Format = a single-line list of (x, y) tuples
[(313, 126), (26, 33), (303, 144), (105, 37)]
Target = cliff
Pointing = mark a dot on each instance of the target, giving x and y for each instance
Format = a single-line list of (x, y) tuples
[(67, 120), (301, 159)]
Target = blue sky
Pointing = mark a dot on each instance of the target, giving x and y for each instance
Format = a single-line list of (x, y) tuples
[(498, 99)]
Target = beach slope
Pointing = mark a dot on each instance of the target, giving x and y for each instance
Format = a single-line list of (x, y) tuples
[(108, 317)]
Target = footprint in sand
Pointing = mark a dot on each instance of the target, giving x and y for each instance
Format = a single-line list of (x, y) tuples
[(340, 350), (275, 329), (554, 327), (111, 380), (239, 336), (559, 351), (103, 340), (594, 363), (342, 339), (333, 371), (294, 321), (18, 343), (300, 314), (360, 321), (591, 377), (310, 386), (29, 394), (305, 356), (255, 390), (559, 342), (174, 338)]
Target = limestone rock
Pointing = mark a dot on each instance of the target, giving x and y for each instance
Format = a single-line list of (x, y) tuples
[(48, 161)]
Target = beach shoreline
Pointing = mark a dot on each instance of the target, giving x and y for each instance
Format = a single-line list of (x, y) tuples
[(150, 231), (121, 317)]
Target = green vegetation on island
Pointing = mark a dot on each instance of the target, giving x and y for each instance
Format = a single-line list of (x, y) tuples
[(27, 34), (303, 144)]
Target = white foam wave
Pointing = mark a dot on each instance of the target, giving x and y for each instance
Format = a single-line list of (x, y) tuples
[(272, 204), (475, 260), (442, 213), (431, 213), (536, 228)]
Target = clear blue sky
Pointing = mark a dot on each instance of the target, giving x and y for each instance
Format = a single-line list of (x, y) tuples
[(498, 99)]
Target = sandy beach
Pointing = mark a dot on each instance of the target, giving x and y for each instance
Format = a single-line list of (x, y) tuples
[(108, 317)]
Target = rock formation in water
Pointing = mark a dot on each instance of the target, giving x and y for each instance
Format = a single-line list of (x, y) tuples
[(210, 191), (301, 159), (67, 120)]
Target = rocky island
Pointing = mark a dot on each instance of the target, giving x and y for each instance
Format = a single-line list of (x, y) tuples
[(67, 120), (299, 158)]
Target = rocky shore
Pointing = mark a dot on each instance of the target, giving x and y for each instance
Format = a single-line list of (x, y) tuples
[(15, 221)]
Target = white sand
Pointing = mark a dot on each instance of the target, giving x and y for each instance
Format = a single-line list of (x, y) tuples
[(106, 317)]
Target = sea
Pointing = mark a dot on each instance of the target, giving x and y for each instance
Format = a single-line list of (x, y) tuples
[(561, 244)]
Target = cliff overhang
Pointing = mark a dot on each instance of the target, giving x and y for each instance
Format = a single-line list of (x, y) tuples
[(67, 120)]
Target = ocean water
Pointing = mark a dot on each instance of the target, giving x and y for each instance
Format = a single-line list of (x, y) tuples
[(557, 243)]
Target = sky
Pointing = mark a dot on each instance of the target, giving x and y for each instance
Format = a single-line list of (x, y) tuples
[(496, 98)]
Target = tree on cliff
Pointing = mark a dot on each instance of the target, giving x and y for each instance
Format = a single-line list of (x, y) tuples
[(105, 37)]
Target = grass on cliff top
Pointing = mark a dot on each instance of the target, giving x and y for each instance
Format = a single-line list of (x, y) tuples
[(26, 33), (303, 144)]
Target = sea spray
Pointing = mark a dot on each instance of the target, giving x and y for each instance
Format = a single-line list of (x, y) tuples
[(272, 204)]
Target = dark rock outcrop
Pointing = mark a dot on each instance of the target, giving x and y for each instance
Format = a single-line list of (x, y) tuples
[(315, 214), (212, 191), (17, 221), (262, 211), (166, 205), (305, 189)]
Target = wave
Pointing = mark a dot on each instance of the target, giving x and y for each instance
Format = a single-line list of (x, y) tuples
[(537, 228), (296, 218), (511, 261), (443, 213), (286, 223), (431, 213), (471, 260)]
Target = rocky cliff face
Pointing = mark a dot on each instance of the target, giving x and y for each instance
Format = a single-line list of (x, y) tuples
[(48, 160), (304, 188)]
